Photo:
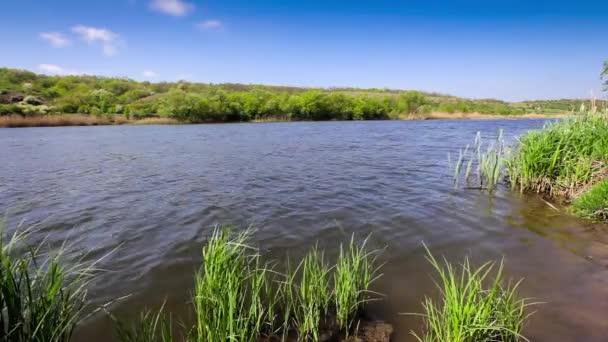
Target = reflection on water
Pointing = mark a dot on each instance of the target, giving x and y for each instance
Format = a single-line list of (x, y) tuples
[(153, 193)]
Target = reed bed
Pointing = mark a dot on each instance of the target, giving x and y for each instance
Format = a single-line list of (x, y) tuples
[(475, 305), (562, 158), (60, 120), (238, 297)]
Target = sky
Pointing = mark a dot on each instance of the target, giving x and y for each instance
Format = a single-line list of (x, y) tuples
[(507, 49)]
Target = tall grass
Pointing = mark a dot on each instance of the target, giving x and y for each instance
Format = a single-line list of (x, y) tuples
[(230, 290), (237, 297), (355, 270), (562, 157), (40, 299), (475, 305), (313, 295), (483, 165)]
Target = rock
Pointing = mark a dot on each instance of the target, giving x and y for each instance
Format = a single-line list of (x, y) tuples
[(374, 332), (9, 97)]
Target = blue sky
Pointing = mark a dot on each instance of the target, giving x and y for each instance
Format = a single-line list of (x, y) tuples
[(508, 49)]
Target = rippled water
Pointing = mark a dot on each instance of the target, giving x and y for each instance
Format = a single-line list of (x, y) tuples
[(154, 193)]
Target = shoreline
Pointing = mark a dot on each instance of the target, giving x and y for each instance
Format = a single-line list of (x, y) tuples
[(65, 120)]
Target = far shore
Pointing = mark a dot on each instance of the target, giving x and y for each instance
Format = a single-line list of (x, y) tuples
[(58, 120)]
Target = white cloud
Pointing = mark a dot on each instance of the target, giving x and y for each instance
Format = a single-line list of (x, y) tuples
[(56, 39), (212, 24), (93, 35), (149, 74), (172, 7), (53, 69)]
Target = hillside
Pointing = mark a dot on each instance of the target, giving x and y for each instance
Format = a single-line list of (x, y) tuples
[(29, 94)]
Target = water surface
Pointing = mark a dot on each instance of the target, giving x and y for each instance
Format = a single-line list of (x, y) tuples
[(154, 193)]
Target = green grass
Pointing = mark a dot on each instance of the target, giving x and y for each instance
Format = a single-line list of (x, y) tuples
[(40, 299), (483, 165), (313, 295), (562, 157), (230, 290), (475, 305), (593, 203), (237, 297), (355, 271)]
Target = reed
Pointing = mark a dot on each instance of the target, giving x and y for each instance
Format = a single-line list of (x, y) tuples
[(355, 271), (484, 162), (229, 295), (563, 157), (475, 305), (60, 120), (313, 295), (40, 299), (237, 297)]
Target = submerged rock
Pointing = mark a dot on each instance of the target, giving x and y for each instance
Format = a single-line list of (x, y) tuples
[(373, 332)]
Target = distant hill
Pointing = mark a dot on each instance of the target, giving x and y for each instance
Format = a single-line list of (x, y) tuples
[(27, 93)]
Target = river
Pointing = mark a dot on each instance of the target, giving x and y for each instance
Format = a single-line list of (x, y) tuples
[(151, 195)]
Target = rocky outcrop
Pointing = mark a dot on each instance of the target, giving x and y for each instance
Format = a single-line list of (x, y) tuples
[(11, 97)]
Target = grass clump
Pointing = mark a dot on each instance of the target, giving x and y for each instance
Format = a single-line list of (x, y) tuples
[(475, 305), (483, 165), (313, 295), (561, 158), (230, 293), (40, 299), (355, 271), (593, 203), (237, 297)]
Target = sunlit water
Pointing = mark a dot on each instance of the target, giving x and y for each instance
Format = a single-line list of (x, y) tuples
[(152, 194)]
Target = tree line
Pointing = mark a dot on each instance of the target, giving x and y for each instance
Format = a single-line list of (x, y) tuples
[(26, 93)]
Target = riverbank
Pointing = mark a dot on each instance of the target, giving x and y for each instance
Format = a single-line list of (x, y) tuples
[(27, 94), (15, 121), (58, 120), (567, 161)]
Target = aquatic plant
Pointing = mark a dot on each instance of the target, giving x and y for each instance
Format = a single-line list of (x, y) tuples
[(475, 305), (237, 297), (355, 270), (40, 299), (313, 295), (488, 162)]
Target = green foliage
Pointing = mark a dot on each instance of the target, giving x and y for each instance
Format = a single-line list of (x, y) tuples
[(230, 290), (199, 102), (40, 300), (486, 164), (475, 305), (355, 271), (593, 203), (313, 296), (562, 157)]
